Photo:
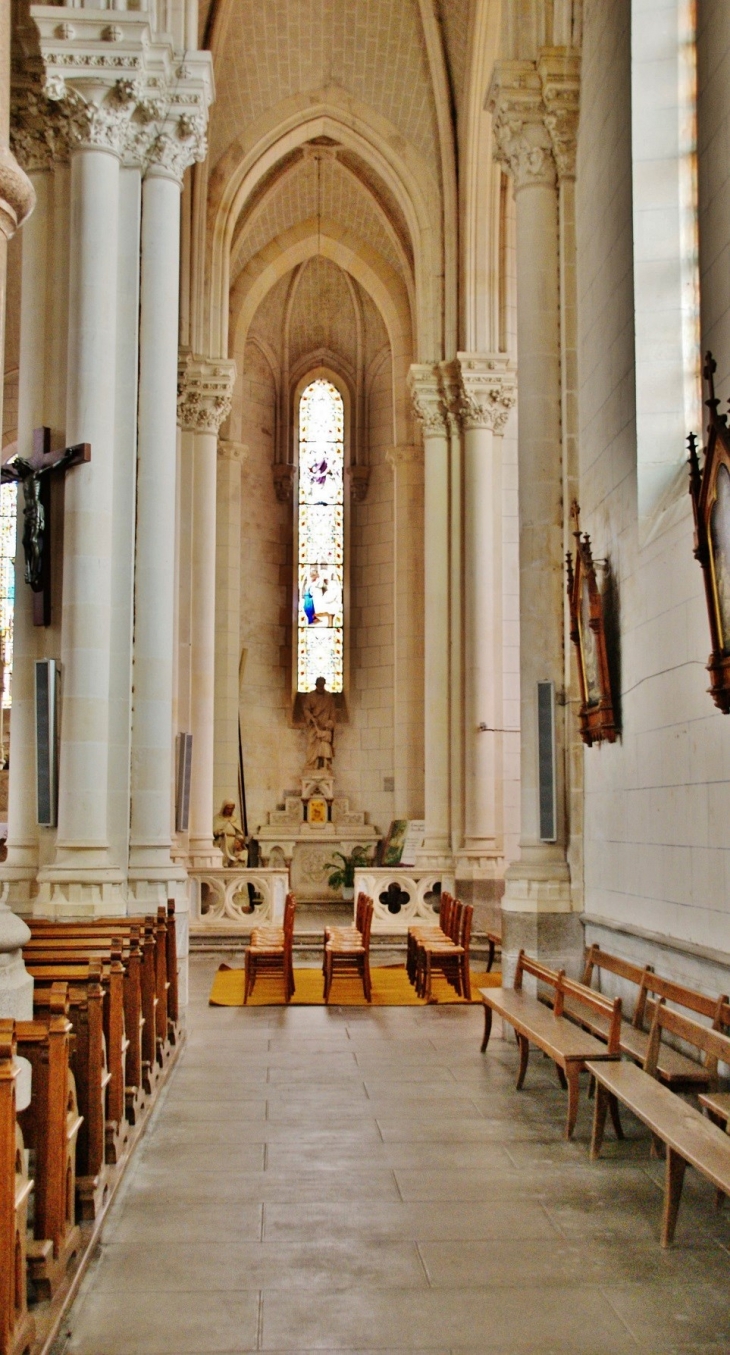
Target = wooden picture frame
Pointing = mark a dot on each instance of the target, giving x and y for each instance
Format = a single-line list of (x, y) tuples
[(587, 631), (709, 488)]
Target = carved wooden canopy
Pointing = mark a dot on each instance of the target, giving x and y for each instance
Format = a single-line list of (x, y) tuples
[(596, 715)]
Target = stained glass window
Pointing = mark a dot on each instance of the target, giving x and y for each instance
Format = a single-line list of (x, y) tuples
[(321, 535), (8, 499)]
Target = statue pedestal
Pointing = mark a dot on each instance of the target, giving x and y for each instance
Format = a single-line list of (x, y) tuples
[(290, 840)]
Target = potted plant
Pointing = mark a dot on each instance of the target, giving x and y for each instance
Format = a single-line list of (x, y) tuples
[(343, 877)]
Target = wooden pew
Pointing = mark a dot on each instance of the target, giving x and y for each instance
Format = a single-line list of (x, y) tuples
[(160, 1000), (58, 962), (675, 1068), (567, 1044), (50, 1126), (89, 1066), (17, 1328), (140, 989), (689, 1137)]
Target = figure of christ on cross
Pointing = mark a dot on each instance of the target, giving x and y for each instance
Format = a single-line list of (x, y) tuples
[(35, 475)]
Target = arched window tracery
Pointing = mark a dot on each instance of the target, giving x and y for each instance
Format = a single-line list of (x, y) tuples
[(321, 537)]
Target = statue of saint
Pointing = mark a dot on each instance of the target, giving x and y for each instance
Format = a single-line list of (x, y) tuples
[(320, 715), (229, 836)]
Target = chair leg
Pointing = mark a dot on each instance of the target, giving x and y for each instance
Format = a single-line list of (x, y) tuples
[(367, 985), (247, 982), (466, 978)]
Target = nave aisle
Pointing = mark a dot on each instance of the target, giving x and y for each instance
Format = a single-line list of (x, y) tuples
[(354, 1180)]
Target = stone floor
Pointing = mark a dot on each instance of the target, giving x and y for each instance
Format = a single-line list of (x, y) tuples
[(354, 1180)]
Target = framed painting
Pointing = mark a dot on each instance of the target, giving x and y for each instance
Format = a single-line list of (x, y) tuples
[(587, 631), (709, 487)]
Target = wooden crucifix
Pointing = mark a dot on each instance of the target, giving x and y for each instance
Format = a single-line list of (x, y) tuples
[(35, 477)]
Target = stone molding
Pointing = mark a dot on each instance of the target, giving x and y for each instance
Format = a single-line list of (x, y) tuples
[(488, 390), (426, 389), (284, 473), (232, 451), (204, 393), (17, 194), (559, 69), (523, 141), (359, 478), (110, 87)]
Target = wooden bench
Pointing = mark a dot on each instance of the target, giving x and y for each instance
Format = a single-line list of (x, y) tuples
[(144, 938), (57, 961), (688, 1136), (17, 1328), (89, 1066), (50, 1127), (675, 1068), (565, 1042)]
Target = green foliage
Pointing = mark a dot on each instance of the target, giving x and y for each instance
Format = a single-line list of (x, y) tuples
[(343, 877)]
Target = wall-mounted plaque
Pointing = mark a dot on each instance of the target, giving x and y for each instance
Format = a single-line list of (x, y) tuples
[(587, 631), (709, 487)]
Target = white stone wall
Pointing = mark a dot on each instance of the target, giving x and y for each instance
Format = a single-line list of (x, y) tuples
[(272, 750), (366, 747), (657, 852)]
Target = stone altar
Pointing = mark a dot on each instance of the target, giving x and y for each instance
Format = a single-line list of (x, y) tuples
[(304, 833)]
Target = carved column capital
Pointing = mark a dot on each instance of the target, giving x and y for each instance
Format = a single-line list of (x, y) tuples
[(17, 194), (426, 388), (204, 393), (110, 86), (559, 69), (522, 139), (37, 128), (488, 390)]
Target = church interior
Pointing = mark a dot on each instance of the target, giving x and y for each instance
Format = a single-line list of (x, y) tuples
[(364, 659)]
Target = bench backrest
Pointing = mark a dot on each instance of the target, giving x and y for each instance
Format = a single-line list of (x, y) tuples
[(526, 965), (597, 959), (712, 1044), (581, 995), (712, 1008)]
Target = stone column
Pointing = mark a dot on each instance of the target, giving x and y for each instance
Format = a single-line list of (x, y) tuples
[(205, 391), (21, 867), (559, 70), (231, 458), (428, 402), (85, 878), (407, 463), (488, 395), (17, 198), (152, 874), (537, 903)]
